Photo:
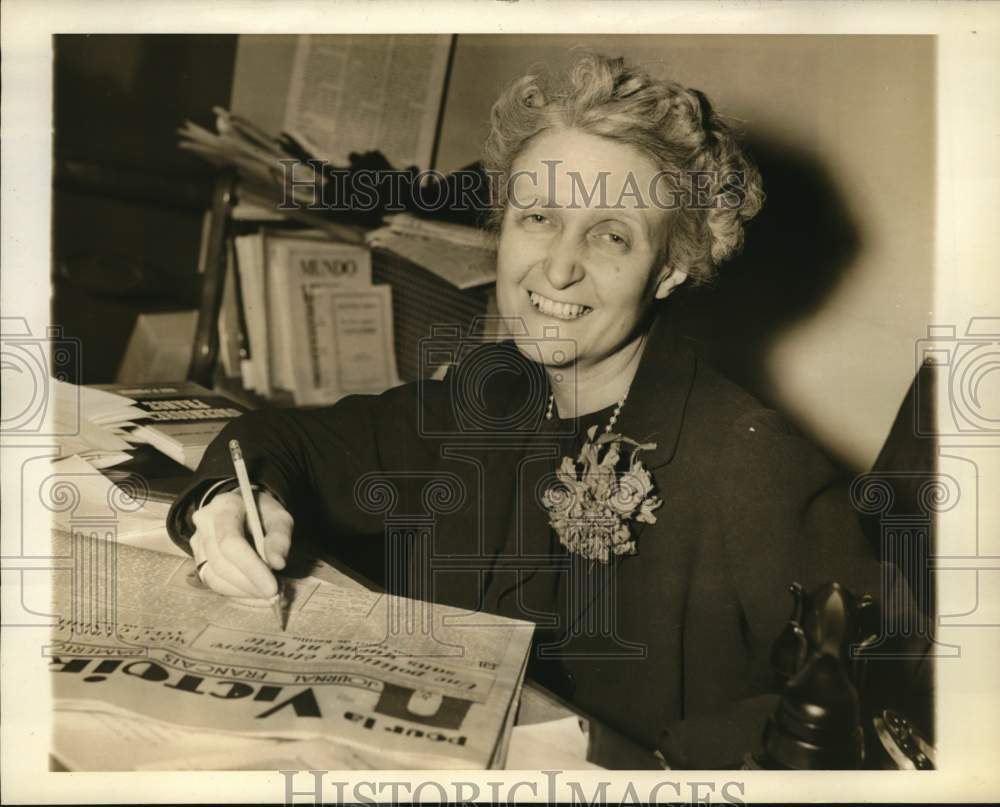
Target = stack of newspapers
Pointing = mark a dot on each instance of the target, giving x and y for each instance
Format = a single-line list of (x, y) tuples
[(124, 455), (260, 161), (151, 670), (90, 485)]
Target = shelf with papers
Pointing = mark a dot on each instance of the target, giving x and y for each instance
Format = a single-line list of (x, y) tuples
[(294, 352)]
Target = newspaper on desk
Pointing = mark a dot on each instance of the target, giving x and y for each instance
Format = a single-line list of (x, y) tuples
[(150, 669)]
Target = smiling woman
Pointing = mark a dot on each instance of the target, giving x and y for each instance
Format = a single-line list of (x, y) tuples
[(614, 189), (646, 513)]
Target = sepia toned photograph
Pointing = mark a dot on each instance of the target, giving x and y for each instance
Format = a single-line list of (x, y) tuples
[(542, 402)]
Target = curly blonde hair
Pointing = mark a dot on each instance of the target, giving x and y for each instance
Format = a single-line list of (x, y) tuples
[(675, 126)]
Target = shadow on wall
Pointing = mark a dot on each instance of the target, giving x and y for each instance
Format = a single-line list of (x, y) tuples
[(797, 250)]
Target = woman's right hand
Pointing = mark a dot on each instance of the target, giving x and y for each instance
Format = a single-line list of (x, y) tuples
[(224, 552)]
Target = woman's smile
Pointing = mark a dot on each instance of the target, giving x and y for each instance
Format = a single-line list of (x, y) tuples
[(558, 309)]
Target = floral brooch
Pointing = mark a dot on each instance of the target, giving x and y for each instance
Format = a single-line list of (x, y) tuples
[(592, 503)]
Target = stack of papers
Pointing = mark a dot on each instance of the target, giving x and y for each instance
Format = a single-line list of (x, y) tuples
[(239, 143), (457, 234), (462, 256), (89, 737), (260, 159), (93, 424)]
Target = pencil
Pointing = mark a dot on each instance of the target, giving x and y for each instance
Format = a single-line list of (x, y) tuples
[(253, 520)]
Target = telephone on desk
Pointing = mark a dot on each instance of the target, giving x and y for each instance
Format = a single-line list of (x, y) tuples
[(823, 719)]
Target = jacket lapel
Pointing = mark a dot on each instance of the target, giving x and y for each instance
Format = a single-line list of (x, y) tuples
[(654, 411)]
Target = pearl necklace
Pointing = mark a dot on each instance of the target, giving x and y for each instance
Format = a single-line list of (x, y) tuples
[(614, 415)]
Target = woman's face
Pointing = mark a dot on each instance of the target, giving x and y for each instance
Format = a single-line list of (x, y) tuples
[(581, 247)]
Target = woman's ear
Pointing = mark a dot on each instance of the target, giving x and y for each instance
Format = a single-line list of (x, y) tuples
[(669, 280)]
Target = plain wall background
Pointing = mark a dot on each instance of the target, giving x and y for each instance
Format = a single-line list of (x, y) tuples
[(820, 314)]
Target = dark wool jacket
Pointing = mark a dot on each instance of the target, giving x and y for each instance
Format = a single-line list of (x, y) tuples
[(669, 646)]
